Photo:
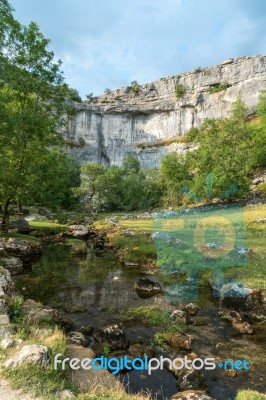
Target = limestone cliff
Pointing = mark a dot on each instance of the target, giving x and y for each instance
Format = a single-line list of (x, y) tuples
[(138, 120)]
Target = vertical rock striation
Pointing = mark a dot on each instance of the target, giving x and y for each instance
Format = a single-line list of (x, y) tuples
[(110, 127)]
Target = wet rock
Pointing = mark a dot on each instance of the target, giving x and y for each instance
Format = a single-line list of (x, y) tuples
[(180, 342), (240, 297), (139, 351), (242, 327), (258, 314), (97, 349), (78, 338), (191, 395), (146, 287), (192, 379), (33, 354), (87, 330), (191, 308), (62, 321), (113, 336), (13, 264), (20, 226), (21, 248), (230, 315)]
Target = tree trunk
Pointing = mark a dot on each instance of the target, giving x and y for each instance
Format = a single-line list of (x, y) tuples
[(5, 219)]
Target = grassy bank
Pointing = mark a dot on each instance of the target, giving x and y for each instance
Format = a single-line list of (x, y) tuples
[(131, 240)]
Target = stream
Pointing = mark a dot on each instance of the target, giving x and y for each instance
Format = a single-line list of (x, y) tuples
[(99, 285)]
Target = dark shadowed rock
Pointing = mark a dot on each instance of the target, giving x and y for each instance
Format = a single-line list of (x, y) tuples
[(113, 336), (146, 287), (62, 321), (78, 338), (240, 297), (192, 379), (140, 350), (191, 308), (180, 342), (20, 226), (21, 248), (87, 329), (13, 264)]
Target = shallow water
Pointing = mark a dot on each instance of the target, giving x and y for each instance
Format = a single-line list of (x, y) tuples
[(101, 285)]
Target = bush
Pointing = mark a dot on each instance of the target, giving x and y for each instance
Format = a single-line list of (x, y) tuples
[(16, 308), (134, 88), (179, 90), (218, 87)]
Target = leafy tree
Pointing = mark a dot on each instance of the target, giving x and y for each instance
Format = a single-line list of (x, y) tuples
[(57, 174), (259, 134), (223, 152), (32, 103), (92, 185), (175, 172), (131, 165)]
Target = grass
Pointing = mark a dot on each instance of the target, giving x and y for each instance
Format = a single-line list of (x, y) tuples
[(249, 395), (162, 142), (47, 228), (218, 87), (99, 392), (40, 381), (137, 249), (15, 306), (151, 315), (253, 273), (20, 236)]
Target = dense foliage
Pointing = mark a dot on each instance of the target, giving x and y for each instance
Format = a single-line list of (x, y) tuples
[(228, 151), (33, 101)]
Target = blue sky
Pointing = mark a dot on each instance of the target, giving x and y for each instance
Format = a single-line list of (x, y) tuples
[(109, 43)]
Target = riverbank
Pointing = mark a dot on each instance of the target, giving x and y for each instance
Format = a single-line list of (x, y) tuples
[(103, 288)]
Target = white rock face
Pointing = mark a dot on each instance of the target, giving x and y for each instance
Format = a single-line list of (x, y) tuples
[(110, 127)]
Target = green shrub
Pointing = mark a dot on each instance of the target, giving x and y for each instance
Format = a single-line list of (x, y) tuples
[(81, 141), (179, 90), (134, 88), (16, 308), (218, 87)]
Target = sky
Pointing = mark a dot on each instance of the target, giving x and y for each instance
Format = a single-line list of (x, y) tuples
[(109, 43)]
